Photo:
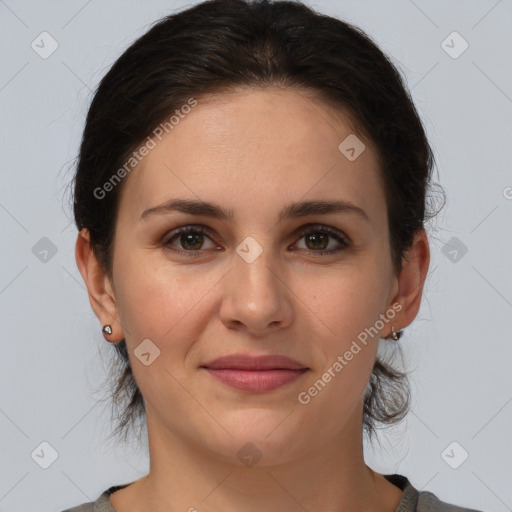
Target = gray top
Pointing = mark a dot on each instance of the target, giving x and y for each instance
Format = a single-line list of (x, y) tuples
[(412, 500)]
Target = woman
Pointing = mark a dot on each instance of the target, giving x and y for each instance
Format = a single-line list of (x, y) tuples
[(250, 199)]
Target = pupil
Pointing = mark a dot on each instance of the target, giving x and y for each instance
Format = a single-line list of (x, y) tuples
[(190, 237), (316, 236)]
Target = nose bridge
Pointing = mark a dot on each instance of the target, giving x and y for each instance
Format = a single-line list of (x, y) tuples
[(254, 266), (256, 296)]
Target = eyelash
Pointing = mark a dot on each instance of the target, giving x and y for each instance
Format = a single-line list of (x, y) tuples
[(198, 229)]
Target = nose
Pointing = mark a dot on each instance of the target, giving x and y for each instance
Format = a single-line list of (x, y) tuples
[(255, 297)]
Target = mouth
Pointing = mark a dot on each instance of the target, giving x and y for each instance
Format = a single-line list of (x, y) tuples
[(255, 374)]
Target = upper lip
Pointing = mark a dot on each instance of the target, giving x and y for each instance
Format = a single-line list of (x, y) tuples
[(246, 362)]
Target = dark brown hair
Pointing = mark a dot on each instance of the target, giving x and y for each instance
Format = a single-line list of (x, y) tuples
[(215, 47)]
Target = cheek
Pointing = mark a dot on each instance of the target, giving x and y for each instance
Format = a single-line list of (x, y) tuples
[(346, 315), (160, 304), (349, 302), (156, 301)]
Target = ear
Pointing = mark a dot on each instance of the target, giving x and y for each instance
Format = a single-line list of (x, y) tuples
[(411, 279), (99, 287)]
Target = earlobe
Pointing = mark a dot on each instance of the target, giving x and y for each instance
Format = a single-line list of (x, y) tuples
[(100, 291), (412, 278)]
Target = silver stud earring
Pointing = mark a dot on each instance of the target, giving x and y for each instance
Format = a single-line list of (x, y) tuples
[(107, 329), (394, 334)]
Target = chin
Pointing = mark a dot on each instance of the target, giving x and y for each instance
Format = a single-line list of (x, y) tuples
[(257, 438)]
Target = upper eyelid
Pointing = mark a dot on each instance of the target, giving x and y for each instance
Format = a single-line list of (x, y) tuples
[(300, 231)]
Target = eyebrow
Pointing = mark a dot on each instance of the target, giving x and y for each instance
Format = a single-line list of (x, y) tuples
[(300, 209)]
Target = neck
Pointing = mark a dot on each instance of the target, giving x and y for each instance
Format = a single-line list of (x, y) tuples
[(329, 476)]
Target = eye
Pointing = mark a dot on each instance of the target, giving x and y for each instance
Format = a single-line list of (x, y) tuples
[(191, 238), (317, 240)]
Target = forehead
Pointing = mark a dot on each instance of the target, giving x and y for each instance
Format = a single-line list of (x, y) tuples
[(255, 148)]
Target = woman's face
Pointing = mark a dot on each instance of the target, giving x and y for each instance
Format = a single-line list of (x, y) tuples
[(254, 283)]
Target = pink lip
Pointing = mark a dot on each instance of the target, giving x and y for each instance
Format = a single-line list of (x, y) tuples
[(258, 374)]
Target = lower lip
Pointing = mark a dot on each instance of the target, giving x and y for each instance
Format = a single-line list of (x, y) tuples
[(257, 381)]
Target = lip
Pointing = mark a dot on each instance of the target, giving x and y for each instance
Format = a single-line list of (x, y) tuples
[(255, 373), (247, 362)]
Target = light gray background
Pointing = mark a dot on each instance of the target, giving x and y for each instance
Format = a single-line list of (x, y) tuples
[(53, 353)]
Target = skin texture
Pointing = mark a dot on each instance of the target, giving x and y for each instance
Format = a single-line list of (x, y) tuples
[(254, 151)]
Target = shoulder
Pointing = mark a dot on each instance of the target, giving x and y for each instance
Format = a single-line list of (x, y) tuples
[(102, 503), (421, 501), (84, 507), (412, 500), (428, 502)]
